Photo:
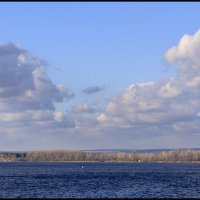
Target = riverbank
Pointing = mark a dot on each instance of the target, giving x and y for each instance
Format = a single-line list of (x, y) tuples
[(159, 162), (178, 156)]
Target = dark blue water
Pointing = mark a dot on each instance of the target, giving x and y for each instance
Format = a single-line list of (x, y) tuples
[(96, 180)]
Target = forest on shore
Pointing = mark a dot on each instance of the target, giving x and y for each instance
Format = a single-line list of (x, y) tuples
[(83, 156)]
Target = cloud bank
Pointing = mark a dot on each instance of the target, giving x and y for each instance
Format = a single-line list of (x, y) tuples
[(168, 106), (155, 114), (27, 95)]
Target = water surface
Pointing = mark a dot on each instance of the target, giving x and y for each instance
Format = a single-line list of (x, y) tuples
[(96, 180)]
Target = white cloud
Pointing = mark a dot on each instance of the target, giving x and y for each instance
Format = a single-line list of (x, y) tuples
[(163, 106), (170, 89), (187, 49), (142, 114), (27, 95), (186, 54), (84, 108)]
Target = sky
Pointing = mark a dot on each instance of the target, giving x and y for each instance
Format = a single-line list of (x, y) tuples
[(95, 75)]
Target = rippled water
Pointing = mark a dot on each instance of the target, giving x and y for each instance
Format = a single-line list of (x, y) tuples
[(96, 180)]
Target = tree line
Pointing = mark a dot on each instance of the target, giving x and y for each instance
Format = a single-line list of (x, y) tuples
[(65, 155)]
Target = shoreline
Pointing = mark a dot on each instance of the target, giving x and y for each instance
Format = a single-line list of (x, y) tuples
[(170, 162), (186, 156)]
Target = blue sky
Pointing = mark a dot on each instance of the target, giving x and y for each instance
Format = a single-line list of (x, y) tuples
[(103, 46), (104, 39)]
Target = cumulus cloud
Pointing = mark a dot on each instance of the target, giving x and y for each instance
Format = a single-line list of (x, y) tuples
[(164, 106), (187, 51), (149, 114), (27, 95), (186, 56), (93, 89), (84, 108)]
